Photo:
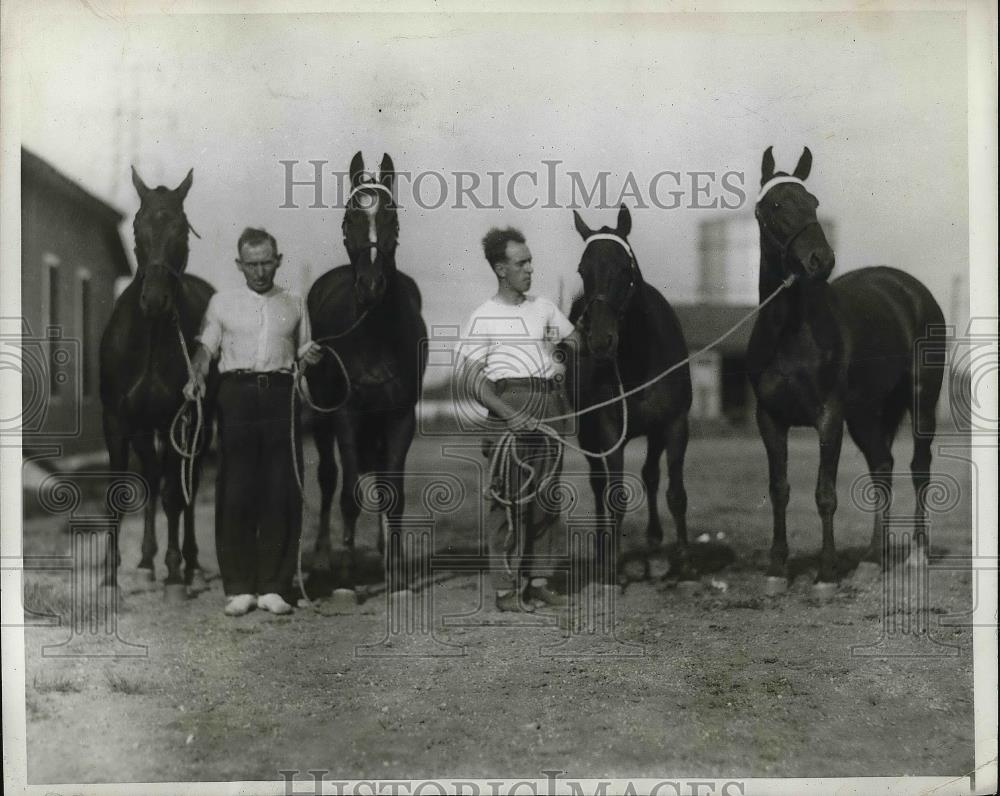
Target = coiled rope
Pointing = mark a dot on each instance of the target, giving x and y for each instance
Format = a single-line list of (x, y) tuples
[(187, 445)]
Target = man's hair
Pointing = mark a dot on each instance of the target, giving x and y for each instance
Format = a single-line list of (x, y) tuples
[(495, 243), (252, 236)]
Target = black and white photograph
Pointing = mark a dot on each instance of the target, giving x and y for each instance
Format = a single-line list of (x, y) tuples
[(538, 398)]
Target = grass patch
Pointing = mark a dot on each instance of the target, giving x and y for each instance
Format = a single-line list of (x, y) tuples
[(56, 685), (121, 684), (44, 598)]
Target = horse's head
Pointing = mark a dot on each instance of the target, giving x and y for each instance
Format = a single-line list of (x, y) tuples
[(161, 243), (371, 230), (791, 237), (610, 279)]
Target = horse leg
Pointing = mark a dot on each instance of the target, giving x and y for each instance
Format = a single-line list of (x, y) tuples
[(831, 434), (599, 485), (398, 437), (145, 448), (117, 442), (869, 435), (775, 437), (651, 480), (193, 575), (350, 508), (320, 582), (924, 425), (677, 441), (173, 507)]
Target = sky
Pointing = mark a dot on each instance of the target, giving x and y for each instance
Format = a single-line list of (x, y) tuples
[(880, 99)]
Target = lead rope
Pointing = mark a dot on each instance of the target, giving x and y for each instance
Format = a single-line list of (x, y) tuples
[(180, 427), (301, 388), (505, 449), (756, 310)]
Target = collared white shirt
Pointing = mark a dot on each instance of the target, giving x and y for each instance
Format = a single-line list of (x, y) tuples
[(263, 332), (515, 341)]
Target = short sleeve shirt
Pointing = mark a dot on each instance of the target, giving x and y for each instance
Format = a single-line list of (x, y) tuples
[(515, 341), (262, 332)]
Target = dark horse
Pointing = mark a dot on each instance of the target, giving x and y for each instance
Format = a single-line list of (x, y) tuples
[(378, 307), (143, 372), (822, 353), (630, 329)]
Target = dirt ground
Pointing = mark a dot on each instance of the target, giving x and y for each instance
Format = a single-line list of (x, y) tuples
[(722, 682)]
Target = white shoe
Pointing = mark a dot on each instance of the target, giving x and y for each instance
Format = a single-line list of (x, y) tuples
[(274, 603), (240, 604)]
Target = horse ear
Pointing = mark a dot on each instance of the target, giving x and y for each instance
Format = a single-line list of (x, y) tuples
[(767, 166), (805, 164), (181, 191), (624, 222), (140, 186), (387, 171), (357, 169), (582, 228)]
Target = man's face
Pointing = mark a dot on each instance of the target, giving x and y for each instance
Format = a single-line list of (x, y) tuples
[(258, 262), (516, 270)]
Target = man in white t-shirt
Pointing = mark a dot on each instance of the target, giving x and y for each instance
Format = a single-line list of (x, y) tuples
[(508, 362)]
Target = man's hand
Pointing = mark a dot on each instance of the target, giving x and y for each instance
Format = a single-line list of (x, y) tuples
[(312, 355), (195, 388), (522, 422)]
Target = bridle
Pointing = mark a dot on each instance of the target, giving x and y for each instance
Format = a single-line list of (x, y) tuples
[(177, 274), (361, 186), (632, 270), (784, 247)]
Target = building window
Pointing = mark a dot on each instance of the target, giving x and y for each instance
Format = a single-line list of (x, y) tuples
[(85, 315), (52, 319)]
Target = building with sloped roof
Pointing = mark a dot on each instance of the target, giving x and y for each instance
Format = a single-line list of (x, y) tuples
[(71, 257)]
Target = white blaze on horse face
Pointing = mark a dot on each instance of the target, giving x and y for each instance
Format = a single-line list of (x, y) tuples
[(371, 210)]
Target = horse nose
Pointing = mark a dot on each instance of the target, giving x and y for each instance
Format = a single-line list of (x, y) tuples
[(821, 262)]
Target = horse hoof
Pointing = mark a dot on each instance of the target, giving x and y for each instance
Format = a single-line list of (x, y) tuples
[(774, 586), (400, 603), (319, 583), (149, 572), (868, 573), (196, 582), (635, 570), (343, 601), (688, 587), (918, 559), (823, 590), (174, 593)]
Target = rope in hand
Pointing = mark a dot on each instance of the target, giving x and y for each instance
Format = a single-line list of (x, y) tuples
[(187, 445), (505, 450)]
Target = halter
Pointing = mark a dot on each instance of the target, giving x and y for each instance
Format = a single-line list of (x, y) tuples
[(373, 185), (767, 186), (783, 247), (377, 186), (632, 266)]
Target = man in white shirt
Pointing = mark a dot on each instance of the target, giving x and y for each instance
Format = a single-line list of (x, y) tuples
[(508, 363), (257, 332)]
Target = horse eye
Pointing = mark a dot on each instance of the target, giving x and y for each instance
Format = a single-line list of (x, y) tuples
[(776, 206)]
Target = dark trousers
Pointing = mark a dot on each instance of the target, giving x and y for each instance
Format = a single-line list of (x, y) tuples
[(524, 551), (258, 509)]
